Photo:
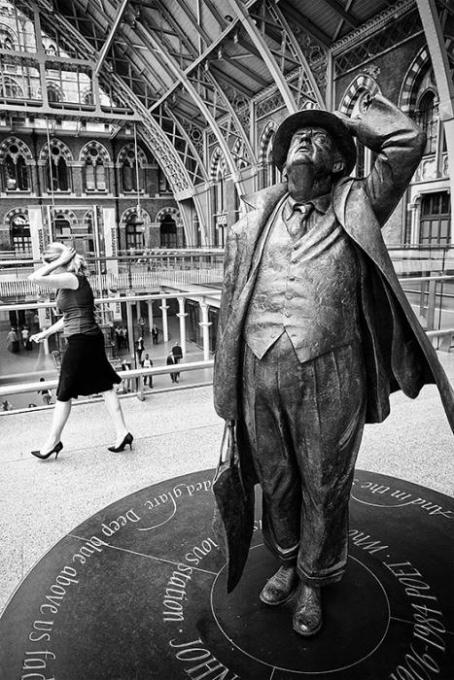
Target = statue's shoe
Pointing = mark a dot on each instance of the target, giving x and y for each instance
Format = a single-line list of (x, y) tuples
[(307, 619), (279, 588)]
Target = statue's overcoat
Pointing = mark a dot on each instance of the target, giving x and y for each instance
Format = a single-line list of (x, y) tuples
[(397, 351)]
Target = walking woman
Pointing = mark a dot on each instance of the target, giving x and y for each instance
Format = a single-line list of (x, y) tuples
[(85, 368)]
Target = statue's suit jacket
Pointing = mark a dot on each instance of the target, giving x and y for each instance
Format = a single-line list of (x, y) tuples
[(397, 352)]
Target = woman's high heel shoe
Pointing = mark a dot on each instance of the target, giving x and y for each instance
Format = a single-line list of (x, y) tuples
[(127, 440), (57, 448)]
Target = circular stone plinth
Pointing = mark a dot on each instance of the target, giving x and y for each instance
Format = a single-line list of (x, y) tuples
[(138, 591)]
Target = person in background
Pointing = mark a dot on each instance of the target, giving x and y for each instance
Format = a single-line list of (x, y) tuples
[(85, 369), (12, 341), (177, 355), (7, 405), (140, 346), (126, 366), (46, 394), (124, 337), (25, 335), (147, 363), (170, 361), (155, 334)]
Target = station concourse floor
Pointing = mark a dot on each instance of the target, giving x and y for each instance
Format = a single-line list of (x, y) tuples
[(176, 431)]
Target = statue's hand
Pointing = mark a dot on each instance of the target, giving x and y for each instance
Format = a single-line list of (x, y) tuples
[(372, 120)]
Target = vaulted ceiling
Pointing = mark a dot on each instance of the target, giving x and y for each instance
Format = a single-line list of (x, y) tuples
[(185, 66)]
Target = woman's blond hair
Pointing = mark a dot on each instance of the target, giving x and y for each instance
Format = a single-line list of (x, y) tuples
[(77, 265)]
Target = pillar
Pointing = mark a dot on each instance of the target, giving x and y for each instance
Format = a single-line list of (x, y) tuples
[(165, 328), (39, 238), (130, 329), (109, 228), (205, 325), (414, 209), (150, 314), (182, 316)]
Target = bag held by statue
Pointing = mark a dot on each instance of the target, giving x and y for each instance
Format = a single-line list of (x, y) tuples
[(234, 514)]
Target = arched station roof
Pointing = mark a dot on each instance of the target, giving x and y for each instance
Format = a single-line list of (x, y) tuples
[(185, 67)]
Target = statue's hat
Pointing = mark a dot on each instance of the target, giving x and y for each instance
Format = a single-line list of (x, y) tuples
[(323, 119)]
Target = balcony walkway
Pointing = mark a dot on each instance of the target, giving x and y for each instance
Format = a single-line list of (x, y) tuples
[(175, 432)]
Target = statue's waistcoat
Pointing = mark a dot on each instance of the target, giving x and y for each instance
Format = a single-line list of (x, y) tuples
[(306, 285)]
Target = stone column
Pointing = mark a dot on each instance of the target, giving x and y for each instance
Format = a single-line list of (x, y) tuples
[(39, 238), (165, 329), (150, 314), (130, 326), (182, 316), (205, 325), (109, 228), (414, 228)]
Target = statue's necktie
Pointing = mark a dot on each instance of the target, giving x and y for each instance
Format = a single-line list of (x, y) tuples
[(296, 223)]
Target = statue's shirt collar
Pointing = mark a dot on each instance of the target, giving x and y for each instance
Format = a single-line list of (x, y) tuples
[(321, 204)]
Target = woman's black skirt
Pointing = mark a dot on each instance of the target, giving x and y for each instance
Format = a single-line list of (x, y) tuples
[(85, 368)]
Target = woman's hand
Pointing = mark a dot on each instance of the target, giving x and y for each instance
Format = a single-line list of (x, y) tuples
[(38, 337), (65, 257)]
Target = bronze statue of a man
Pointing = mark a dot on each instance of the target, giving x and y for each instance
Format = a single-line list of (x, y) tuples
[(314, 334)]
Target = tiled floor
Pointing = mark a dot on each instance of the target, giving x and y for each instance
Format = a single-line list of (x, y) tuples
[(175, 432)]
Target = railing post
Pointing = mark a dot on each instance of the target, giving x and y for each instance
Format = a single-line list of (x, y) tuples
[(430, 318), (205, 325), (165, 328), (140, 389), (182, 316)]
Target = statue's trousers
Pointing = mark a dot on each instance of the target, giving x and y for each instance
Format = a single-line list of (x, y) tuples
[(304, 423)]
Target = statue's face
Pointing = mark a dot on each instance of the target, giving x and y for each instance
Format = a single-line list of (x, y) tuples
[(313, 145)]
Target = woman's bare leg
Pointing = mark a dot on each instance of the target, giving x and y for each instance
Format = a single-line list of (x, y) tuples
[(113, 406), (62, 409)]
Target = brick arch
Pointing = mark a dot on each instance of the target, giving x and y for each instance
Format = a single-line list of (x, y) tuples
[(22, 146), (267, 134), (66, 214), (12, 213), (173, 212), (124, 151), (100, 148), (412, 80), (362, 83), (217, 158), (64, 150), (133, 210)]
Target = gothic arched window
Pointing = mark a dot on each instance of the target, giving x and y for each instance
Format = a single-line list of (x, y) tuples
[(20, 235), (15, 170), (54, 94), (168, 232), (57, 170), (95, 157), (134, 232), (427, 119)]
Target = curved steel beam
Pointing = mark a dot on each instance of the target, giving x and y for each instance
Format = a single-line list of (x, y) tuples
[(189, 143), (241, 134), (189, 87), (261, 45), (110, 37), (276, 12), (153, 136)]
